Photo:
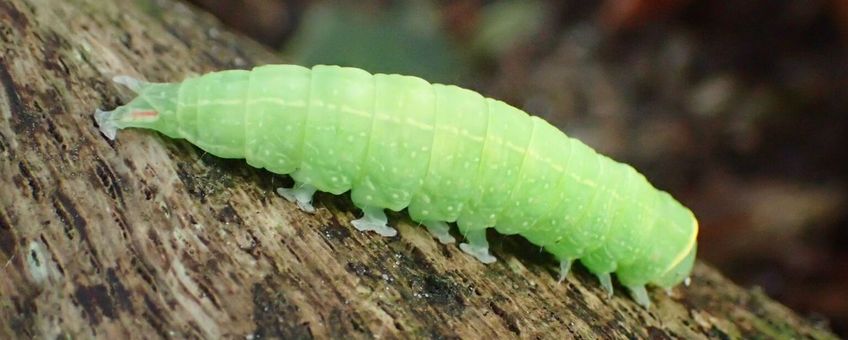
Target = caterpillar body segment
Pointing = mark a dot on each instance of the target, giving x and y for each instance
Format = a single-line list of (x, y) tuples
[(399, 148), (277, 138), (453, 171), (445, 153)]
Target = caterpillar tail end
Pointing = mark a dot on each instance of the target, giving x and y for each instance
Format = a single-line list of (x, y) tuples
[(124, 116), (134, 84), (106, 123)]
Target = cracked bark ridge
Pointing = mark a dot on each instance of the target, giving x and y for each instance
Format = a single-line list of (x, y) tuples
[(147, 236)]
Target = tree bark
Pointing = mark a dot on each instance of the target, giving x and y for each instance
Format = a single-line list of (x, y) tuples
[(147, 236)]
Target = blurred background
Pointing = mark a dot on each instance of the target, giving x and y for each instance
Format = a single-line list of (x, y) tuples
[(738, 108)]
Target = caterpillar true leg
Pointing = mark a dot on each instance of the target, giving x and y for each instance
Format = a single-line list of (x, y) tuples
[(374, 220), (300, 193), (439, 230), (564, 268), (640, 295), (606, 283), (477, 246)]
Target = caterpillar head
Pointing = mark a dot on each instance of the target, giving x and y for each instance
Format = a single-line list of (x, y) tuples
[(682, 228), (671, 254), (679, 272)]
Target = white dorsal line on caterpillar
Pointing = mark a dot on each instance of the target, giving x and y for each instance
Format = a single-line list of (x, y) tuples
[(444, 153)]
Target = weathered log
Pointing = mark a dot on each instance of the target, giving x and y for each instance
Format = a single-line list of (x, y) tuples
[(149, 236)]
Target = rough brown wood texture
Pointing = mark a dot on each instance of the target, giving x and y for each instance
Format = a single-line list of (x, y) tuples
[(147, 237)]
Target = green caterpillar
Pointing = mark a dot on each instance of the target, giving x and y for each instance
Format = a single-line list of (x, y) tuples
[(445, 153)]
